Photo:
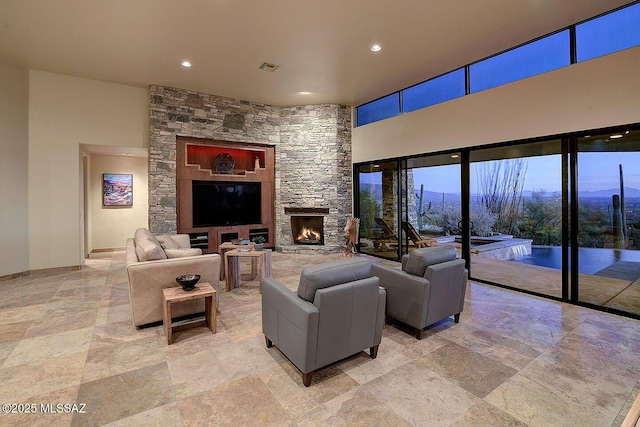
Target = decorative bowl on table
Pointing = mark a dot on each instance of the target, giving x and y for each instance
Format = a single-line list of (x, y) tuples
[(188, 281)]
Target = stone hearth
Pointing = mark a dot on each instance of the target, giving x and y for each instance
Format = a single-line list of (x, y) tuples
[(313, 156)]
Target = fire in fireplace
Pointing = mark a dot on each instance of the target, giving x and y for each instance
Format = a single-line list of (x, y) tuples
[(309, 236), (307, 230)]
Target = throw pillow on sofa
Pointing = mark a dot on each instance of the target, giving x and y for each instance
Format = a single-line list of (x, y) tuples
[(147, 246), (167, 242)]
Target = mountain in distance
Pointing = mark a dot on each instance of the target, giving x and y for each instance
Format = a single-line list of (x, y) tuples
[(628, 192), (434, 196)]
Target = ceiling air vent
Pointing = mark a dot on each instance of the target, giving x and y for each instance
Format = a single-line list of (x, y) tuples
[(268, 67)]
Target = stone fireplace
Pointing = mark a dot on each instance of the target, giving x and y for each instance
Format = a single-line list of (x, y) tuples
[(312, 157)]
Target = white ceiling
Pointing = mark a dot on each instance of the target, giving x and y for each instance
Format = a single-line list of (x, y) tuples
[(320, 46)]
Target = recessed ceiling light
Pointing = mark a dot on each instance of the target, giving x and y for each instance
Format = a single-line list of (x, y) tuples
[(304, 92), (376, 48), (616, 136), (455, 156), (186, 64)]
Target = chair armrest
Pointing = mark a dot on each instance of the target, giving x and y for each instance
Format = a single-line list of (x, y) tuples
[(291, 323), (132, 257), (448, 287), (407, 295), (393, 278)]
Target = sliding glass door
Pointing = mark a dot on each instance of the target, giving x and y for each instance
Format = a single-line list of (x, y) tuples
[(517, 216), (378, 204), (609, 220), (434, 204), (557, 217)]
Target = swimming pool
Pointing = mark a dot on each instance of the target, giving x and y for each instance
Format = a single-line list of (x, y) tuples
[(590, 260)]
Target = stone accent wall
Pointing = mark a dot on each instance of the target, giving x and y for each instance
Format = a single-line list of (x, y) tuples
[(390, 198), (178, 112), (412, 199), (313, 170), (313, 155)]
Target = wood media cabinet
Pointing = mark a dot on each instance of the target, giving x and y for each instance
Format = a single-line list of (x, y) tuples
[(205, 168)]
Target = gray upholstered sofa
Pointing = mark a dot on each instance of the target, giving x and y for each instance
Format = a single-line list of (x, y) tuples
[(337, 311), (154, 262), (430, 287)]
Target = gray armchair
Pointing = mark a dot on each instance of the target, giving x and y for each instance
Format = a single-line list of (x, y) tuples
[(337, 311), (430, 287)]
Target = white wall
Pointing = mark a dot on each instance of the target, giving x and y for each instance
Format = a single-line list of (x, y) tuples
[(594, 94), (65, 112), (14, 138), (112, 225)]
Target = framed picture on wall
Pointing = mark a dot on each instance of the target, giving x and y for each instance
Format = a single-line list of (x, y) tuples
[(117, 189)]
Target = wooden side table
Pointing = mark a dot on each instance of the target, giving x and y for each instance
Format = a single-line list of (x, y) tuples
[(176, 295), (263, 265), (225, 247)]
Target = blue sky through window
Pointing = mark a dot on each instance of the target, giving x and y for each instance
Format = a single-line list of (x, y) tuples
[(609, 33), (440, 89), (537, 57), (382, 108)]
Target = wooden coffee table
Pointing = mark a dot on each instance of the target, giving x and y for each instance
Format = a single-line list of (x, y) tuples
[(260, 263), (177, 295)]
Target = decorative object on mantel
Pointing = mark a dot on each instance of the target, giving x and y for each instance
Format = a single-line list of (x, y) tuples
[(224, 163), (258, 243), (351, 235), (188, 281)]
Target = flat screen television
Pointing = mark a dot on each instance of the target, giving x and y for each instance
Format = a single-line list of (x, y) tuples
[(225, 203)]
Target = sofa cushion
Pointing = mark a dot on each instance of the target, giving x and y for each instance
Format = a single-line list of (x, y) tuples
[(329, 274), (167, 242), (422, 258), (147, 246), (179, 253)]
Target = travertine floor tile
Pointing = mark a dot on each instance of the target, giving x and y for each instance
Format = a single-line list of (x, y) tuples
[(472, 371), (538, 405), (120, 396), (39, 378), (420, 396), (46, 347), (245, 401), (165, 415), (513, 360), (353, 408)]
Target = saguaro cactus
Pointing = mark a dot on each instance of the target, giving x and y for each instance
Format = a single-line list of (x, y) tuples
[(618, 234)]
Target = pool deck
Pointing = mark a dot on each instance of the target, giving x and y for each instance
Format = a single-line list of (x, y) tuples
[(621, 294)]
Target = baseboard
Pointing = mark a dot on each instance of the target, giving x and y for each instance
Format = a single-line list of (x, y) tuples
[(40, 272), (14, 276), (97, 251)]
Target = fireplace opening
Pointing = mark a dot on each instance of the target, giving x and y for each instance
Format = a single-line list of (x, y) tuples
[(307, 230)]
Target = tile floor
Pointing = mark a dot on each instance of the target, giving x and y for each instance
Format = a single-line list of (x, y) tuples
[(513, 360)]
